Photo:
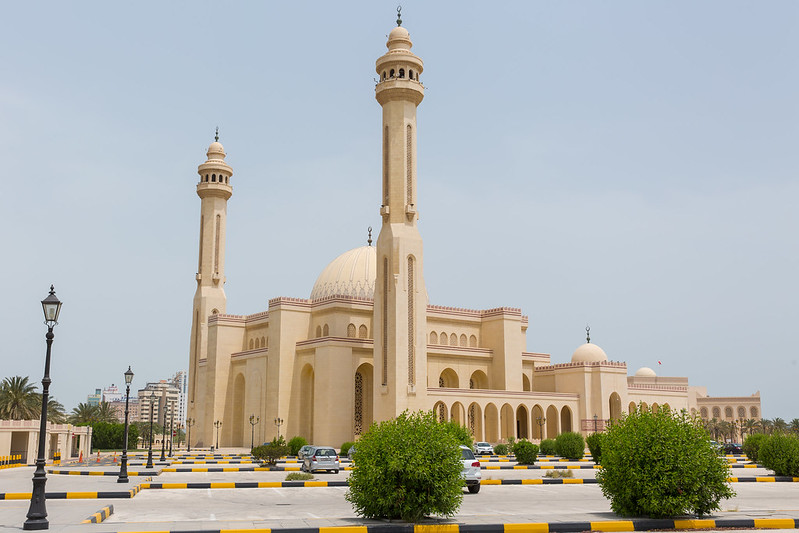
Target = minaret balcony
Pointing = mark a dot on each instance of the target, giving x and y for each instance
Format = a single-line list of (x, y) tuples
[(399, 89)]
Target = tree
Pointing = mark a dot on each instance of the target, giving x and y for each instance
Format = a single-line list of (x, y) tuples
[(751, 426), (767, 425), (795, 426), (407, 468), (105, 413), (55, 411), (780, 425), (83, 415), (19, 400), (661, 465)]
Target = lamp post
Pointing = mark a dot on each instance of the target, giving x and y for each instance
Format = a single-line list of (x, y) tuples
[(595, 417), (163, 434), (189, 422), (123, 465), (253, 421), (150, 448), (37, 513), (541, 421), (171, 429), (217, 425), (278, 423)]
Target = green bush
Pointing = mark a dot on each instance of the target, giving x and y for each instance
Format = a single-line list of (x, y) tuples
[(111, 436), (661, 465), (594, 442), (752, 446), (295, 444), (780, 453), (346, 447), (559, 473), (270, 453), (501, 449), (461, 433), (548, 446), (525, 452), (408, 468), (299, 476), (570, 445)]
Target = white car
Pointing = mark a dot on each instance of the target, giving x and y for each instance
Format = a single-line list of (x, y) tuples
[(483, 448), (321, 458), (471, 473)]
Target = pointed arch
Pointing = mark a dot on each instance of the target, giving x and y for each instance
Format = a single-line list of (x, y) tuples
[(363, 332), (364, 392), (440, 411), (539, 420), (236, 436), (478, 380), (307, 385), (614, 406), (453, 340), (473, 341), (522, 423), (565, 419), (457, 413), (631, 407), (318, 332), (552, 422), (525, 383), (475, 420), (464, 341), (433, 338), (351, 331), (491, 423), (450, 378), (507, 427), (443, 339), (326, 331)]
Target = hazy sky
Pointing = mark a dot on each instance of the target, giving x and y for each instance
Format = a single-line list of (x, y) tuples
[(630, 165)]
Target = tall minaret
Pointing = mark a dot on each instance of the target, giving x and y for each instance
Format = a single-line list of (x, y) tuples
[(400, 315), (214, 191)]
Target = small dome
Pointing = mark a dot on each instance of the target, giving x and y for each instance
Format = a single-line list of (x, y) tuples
[(216, 151), (645, 372), (589, 353), (350, 274), (399, 38)]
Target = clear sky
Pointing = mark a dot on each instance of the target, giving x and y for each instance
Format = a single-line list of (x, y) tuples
[(630, 165)]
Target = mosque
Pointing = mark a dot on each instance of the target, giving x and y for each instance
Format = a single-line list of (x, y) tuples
[(366, 345)]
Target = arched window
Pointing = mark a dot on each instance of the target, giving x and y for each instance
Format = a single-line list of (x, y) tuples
[(434, 338), (440, 382), (703, 412), (252, 344), (463, 340), (473, 341), (410, 74), (257, 343), (391, 73), (728, 412), (213, 178), (384, 74), (716, 412), (351, 331), (363, 332), (402, 73), (326, 331), (318, 331), (453, 340), (741, 412), (753, 412), (443, 338), (206, 177)]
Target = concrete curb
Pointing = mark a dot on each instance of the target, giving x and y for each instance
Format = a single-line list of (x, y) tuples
[(90, 495), (100, 515), (99, 473), (537, 527)]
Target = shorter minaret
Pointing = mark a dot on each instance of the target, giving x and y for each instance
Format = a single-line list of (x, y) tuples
[(214, 191)]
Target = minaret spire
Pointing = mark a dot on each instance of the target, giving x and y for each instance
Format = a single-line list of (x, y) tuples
[(216, 135), (399, 16), (587, 334)]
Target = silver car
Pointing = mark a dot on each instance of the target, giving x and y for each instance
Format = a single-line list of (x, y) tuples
[(483, 448), (305, 450), (321, 458), (471, 470)]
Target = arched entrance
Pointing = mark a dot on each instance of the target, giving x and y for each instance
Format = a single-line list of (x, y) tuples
[(237, 422), (475, 421), (565, 419), (448, 379), (539, 420), (362, 418), (478, 380), (552, 422), (521, 423), (507, 422), (307, 402), (492, 423), (440, 411), (614, 406), (457, 413)]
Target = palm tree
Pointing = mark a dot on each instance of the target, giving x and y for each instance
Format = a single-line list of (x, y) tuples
[(83, 414), (780, 425), (18, 399), (106, 414), (767, 425), (751, 425), (795, 426), (55, 411)]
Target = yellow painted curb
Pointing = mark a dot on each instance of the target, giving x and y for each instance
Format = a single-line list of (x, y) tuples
[(613, 525), (774, 523), (528, 528), (694, 524)]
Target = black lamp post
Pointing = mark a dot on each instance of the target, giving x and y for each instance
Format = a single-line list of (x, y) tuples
[(163, 434), (123, 466), (37, 513), (217, 425), (171, 429), (253, 421), (541, 421), (278, 423), (150, 448), (189, 422), (595, 417)]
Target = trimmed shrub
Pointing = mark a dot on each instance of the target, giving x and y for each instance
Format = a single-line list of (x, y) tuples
[(345, 447), (111, 436), (408, 468), (752, 446), (548, 446), (559, 473), (461, 433), (570, 445), (299, 476), (525, 452), (780, 453), (295, 444), (594, 442), (661, 465), (270, 453), (501, 449)]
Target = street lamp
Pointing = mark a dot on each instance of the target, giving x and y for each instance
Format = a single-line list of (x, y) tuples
[(278, 423), (541, 421), (123, 467), (163, 433), (171, 429), (150, 448), (217, 425), (253, 421), (595, 417), (37, 513), (189, 422)]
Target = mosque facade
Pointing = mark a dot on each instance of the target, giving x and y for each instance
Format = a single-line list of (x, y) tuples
[(366, 345)]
